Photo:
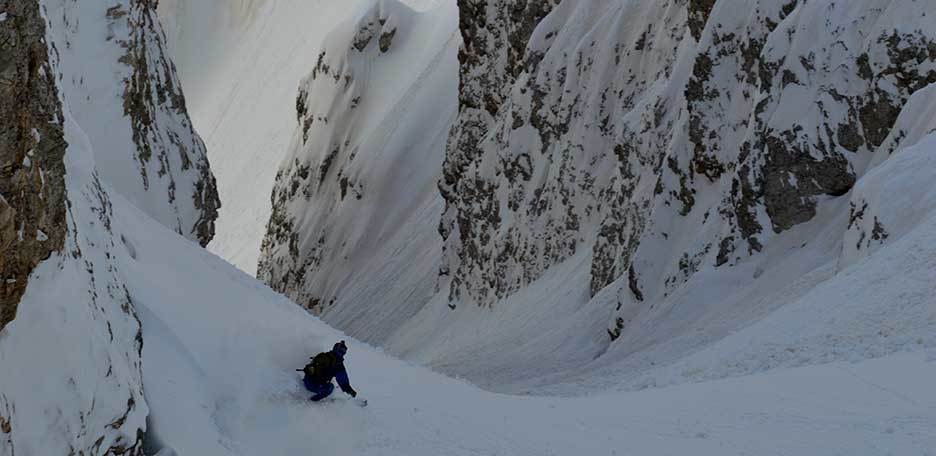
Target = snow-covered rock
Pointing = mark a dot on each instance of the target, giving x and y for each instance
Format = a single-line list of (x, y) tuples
[(95, 124), (241, 62), (357, 190), (896, 195), (143, 139), (666, 138)]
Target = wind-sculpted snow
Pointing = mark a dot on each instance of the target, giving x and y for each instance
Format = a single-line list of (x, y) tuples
[(358, 186)]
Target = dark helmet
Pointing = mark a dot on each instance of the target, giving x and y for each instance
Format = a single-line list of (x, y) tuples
[(340, 348)]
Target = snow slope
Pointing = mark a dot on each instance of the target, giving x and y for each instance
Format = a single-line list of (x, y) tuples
[(221, 350)]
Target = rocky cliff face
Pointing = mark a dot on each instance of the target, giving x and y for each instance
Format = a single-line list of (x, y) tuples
[(145, 144), (531, 174), (93, 123), (355, 206), (171, 157), (663, 138), (32, 187)]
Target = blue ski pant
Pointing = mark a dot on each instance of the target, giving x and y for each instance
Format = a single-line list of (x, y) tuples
[(321, 390)]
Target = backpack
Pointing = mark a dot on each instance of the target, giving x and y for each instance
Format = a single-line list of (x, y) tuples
[(321, 367)]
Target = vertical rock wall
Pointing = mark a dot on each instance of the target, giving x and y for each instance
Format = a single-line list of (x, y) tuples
[(92, 123), (662, 138), (168, 149), (32, 186)]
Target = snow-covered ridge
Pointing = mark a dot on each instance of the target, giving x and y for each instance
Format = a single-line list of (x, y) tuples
[(356, 191), (131, 89), (98, 101)]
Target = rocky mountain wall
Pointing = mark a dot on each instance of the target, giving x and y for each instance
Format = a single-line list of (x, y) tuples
[(144, 142), (666, 137), (94, 129), (170, 153), (32, 146), (355, 207)]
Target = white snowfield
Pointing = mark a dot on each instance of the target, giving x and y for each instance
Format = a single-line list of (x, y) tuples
[(220, 352)]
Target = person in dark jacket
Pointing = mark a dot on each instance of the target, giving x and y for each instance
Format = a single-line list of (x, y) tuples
[(324, 367)]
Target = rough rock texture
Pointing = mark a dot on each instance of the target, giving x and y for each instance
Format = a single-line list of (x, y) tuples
[(552, 169), (32, 188), (663, 138), (495, 35), (168, 149), (91, 119), (167, 146), (896, 194)]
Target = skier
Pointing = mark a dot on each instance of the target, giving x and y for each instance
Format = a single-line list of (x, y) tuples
[(324, 367)]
